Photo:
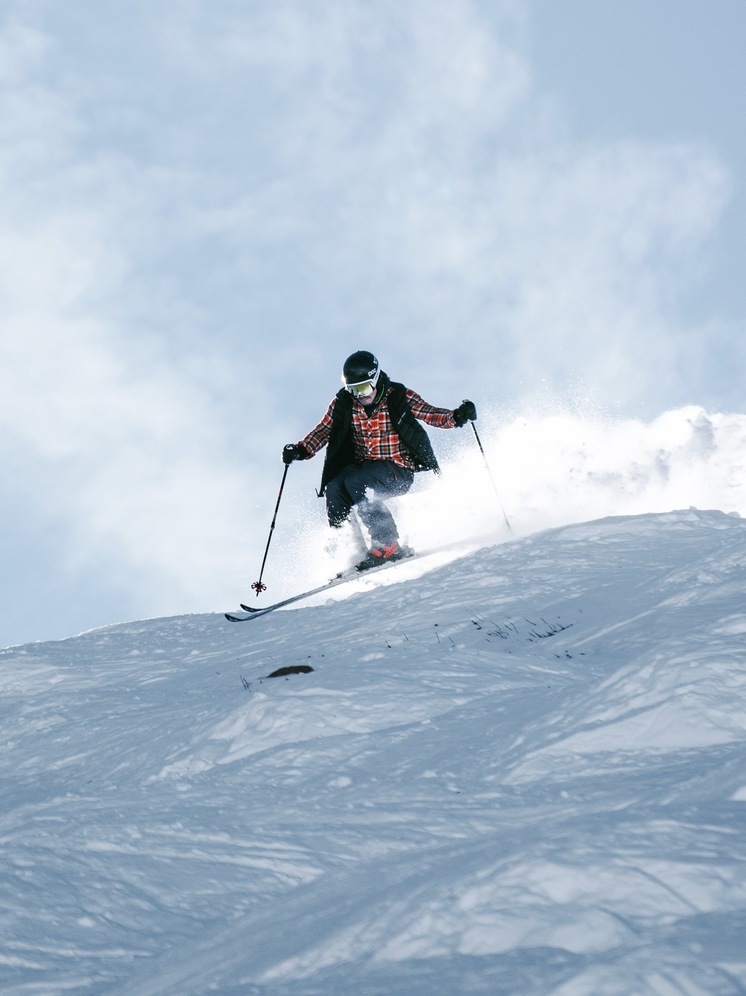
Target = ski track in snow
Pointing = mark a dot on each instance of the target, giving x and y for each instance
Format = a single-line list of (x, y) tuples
[(518, 772)]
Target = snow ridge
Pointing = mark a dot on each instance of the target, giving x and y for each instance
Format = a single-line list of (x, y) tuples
[(522, 771)]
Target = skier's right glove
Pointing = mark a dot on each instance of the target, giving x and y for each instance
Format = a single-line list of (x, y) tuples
[(466, 412), (294, 451)]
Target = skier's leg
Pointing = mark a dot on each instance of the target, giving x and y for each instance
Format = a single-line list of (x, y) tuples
[(339, 502), (367, 484), (379, 522), (346, 543)]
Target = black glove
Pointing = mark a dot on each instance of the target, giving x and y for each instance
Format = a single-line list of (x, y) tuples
[(466, 412), (294, 451)]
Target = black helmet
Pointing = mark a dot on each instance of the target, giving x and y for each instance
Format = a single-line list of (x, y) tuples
[(362, 367)]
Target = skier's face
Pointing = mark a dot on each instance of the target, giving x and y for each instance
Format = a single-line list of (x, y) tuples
[(364, 393)]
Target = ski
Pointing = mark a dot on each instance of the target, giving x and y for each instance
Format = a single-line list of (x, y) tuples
[(463, 547), (253, 612)]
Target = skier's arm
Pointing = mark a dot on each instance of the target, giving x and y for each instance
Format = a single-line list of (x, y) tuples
[(318, 437), (314, 441), (441, 418)]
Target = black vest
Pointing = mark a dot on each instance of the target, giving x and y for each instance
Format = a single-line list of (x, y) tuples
[(340, 449)]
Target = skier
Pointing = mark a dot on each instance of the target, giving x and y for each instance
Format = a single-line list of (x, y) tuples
[(375, 445)]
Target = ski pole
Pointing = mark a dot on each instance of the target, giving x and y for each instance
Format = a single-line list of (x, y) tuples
[(497, 493), (258, 586)]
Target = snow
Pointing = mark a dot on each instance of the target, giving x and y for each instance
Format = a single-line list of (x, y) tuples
[(518, 768)]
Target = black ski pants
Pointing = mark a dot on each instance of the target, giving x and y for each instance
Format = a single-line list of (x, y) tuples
[(364, 485)]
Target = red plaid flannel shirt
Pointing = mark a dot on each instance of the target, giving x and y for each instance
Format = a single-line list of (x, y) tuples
[(373, 436)]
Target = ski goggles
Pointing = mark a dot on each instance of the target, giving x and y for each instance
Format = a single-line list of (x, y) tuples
[(361, 390)]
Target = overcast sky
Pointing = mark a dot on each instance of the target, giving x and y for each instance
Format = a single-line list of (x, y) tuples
[(206, 205)]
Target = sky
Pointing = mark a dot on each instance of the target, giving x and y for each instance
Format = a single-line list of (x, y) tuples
[(518, 771), (204, 208)]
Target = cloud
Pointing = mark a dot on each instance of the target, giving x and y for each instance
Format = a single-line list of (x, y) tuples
[(122, 432), (406, 179)]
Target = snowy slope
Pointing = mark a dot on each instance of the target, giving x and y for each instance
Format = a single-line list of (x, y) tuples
[(520, 772)]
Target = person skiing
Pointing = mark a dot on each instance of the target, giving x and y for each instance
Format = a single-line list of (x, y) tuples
[(375, 445)]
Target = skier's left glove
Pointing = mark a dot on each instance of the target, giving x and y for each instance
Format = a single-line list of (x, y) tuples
[(294, 451), (466, 412)]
